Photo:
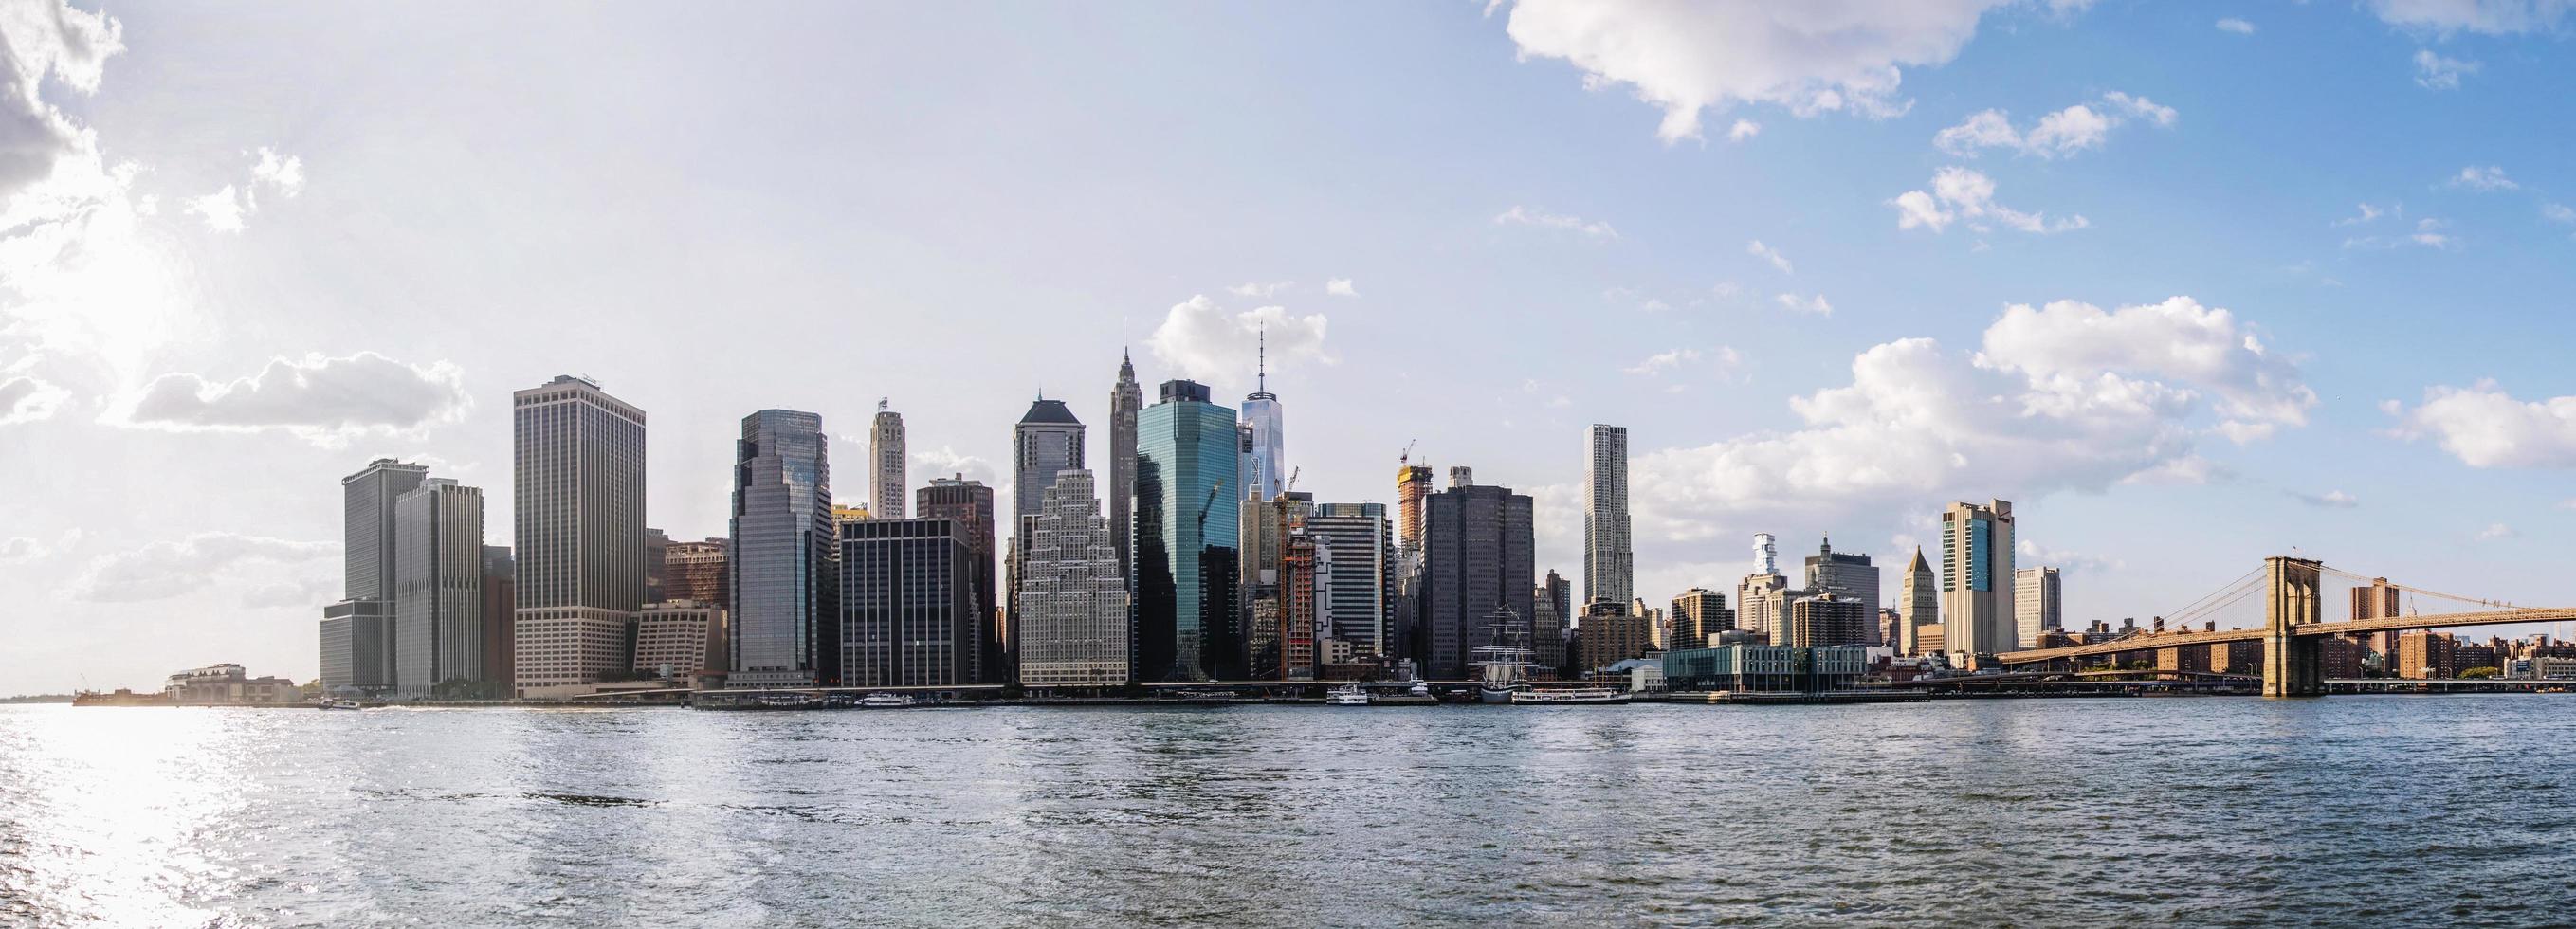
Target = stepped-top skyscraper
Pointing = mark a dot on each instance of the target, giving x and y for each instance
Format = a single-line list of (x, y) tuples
[(1263, 473), (1609, 558), (1047, 439), (1976, 579), (1073, 602), (886, 464), (784, 586), (577, 520), (1186, 537), (1125, 401), (1918, 604)]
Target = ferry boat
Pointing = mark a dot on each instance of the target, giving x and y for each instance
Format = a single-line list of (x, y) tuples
[(886, 701), (336, 703), (1350, 695), (1562, 696), (1503, 663)]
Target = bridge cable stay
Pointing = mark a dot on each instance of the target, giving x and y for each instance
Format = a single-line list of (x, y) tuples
[(2227, 593)]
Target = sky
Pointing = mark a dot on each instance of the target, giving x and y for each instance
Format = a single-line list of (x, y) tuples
[(2189, 283)]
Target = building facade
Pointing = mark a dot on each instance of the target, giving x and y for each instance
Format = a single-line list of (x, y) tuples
[(886, 464), (1354, 585), (1699, 615), (970, 505), (1609, 554), (782, 618), (1073, 599), (1918, 604), (1186, 537), (680, 639), (1848, 576), (1976, 580), (356, 652), (438, 587), (2038, 603), (1126, 400), (700, 571), (1826, 619), (577, 475), (1478, 555), (907, 604)]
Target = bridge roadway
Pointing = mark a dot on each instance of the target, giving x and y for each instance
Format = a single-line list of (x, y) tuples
[(2356, 627)]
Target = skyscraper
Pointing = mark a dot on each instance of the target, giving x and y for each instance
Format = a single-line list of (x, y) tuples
[(1354, 584), (1553, 604), (1073, 601), (906, 604), (1265, 475), (970, 505), (885, 464), (1125, 401), (2037, 604), (1762, 599), (438, 586), (1918, 604), (1848, 576), (1609, 559), (1412, 484), (367, 526), (578, 523), (1266, 527), (1976, 579), (1478, 555), (500, 600), (1046, 440), (1186, 536), (783, 537), (1698, 616), (1827, 619)]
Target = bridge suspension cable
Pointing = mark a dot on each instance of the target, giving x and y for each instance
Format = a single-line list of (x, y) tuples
[(2418, 591), (2222, 598)]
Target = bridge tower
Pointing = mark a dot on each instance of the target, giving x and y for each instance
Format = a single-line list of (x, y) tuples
[(2293, 665)]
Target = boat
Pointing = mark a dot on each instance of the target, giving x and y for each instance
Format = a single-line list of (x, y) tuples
[(787, 701), (335, 703), (1502, 663), (1420, 688), (839, 701), (1565, 696), (1350, 695), (886, 701)]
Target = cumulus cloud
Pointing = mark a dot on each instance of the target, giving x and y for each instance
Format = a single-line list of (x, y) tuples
[(2059, 134), (1208, 342), (2435, 72), (2188, 470), (2485, 427), (2034, 555), (1259, 288), (2495, 531), (1340, 287), (1963, 195), (2430, 232), (943, 461), (47, 39), (22, 549), (322, 399), (2332, 499), (222, 210), (1797, 304), (2368, 214), (2494, 17), (1742, 130), (1808, 57), (1756, 249), (2558, 213), (1721, 361), (2238, 26), (2066, 397), (2488, 177), (26, 399), (1529, 216), (170, 568), (282, 173)]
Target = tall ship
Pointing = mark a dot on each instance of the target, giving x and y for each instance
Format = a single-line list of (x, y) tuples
[(1503, 663)]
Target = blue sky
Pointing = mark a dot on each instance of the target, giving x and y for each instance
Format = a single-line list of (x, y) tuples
[(718, 210)]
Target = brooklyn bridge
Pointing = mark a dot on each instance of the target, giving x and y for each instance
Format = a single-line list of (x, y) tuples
[(2293, 636)]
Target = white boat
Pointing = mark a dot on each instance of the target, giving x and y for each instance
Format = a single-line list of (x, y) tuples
[(1347, 696), (339, 704), (1420, 687), (885, 701), (1558, 696)]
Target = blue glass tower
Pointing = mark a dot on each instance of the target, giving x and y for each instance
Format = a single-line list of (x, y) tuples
[(1187, 493), (784, 588)]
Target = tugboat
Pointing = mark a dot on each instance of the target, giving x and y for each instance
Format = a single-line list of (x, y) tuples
[(1348, 695), (1503, 663)]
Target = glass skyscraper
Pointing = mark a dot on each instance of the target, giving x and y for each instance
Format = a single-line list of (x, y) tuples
[(1187, 489), (784, 585)]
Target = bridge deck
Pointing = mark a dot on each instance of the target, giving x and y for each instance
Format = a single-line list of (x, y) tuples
[(2355, 627)]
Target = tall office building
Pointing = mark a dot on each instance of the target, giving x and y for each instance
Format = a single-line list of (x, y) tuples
[(1554, 599), (1762, 606), (1612, 633), (907, 604), (1848, 576), (438, 586), (1354, 584), (356, 656), (577, 470), (1073, 600), (1609, 557), (2038, 604), (1264, 474), (1046, 440), (698, 571), (1266, 527), (783, 536), (1126, 400), (500, 600), (1918, 604), (1976, 579), (680, 639), (885, 464), (1412, 484), (1699, 615), (1478, 556), (970, 505), (1828, 619), (367, 525), (1186, 537)]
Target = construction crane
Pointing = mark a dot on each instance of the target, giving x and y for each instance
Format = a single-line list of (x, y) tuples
[(1407, 456), (1292, 478)]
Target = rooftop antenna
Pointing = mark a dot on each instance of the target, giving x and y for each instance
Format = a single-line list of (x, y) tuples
[(881, 404), (1261, 362)]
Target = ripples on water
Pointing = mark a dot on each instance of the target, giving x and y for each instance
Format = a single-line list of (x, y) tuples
[(2369, 810)]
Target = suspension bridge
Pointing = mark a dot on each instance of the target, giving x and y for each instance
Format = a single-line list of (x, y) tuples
[(2293, 633)]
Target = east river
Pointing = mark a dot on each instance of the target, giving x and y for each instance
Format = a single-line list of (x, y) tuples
[(2190, 811)]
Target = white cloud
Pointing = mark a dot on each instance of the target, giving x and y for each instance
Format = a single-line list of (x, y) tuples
[(1208, 342), (1797, 304), (2495, 531), (283, 174), (1960, 194), (2238, 26), (1259, 289), (2438, 73), (1340, 287), (2063, 398), (1806, 56), (1527, 216), (22, 549), (2332, 499), (2558, 213), (2367, 214), (171, 568), (222, 209), (943, 461), (71, 46), (2489, 177), (1772, 255), (2059, 134), (322, 399), (2034, 554), (2485, 427), (2487, 16), (25, 399), (2430, 232), (2188, 470), (1742, 130), (1657, 364)]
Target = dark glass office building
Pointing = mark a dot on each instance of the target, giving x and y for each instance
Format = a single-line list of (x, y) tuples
[(782, 633), (1186, 521), (907, 604), (1478, 553)]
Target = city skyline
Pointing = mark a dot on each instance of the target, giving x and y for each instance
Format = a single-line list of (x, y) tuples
[(1569, 270)]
